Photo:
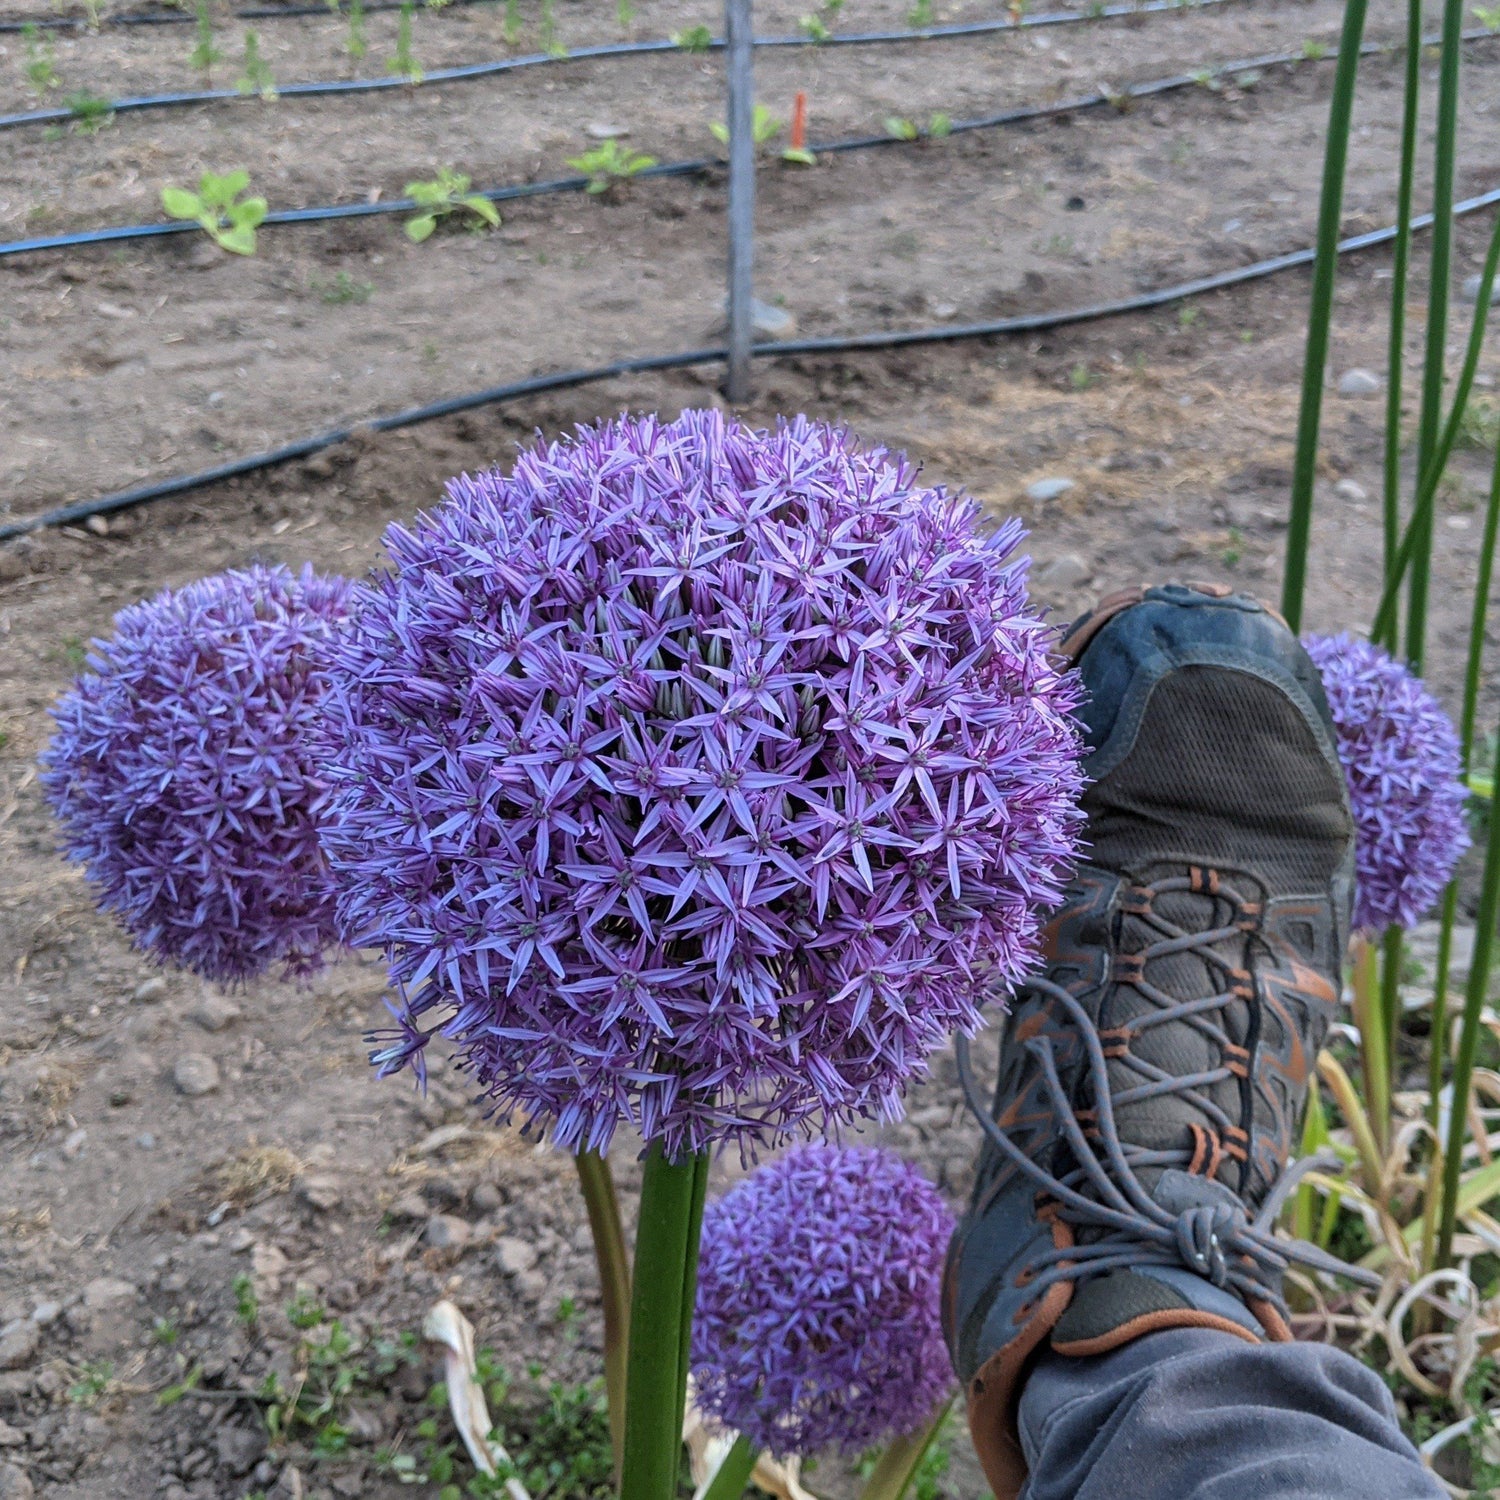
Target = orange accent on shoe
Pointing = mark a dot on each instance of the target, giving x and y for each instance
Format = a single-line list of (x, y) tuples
[(993, 1392), (1128, 968), (1153, 1322), (1073, 644), (1208, 1151)]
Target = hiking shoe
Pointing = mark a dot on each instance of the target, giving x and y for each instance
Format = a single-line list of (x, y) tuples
[(1151, 1085)]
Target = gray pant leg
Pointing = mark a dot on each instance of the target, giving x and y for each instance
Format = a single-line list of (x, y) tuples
[(1194, 1414)]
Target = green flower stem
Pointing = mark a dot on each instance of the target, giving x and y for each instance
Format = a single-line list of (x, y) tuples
[(896, 1467), (1374, 1054), (597, 1184), (690, 1281), (1320, 312), (1468, 1039), (731, 1477), (1434, 365), (665, 1250), (1400, 268), (1482, 583), (1431, 475), (1390, 1007)]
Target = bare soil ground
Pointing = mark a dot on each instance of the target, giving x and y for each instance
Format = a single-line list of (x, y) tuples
[(129, 1206)]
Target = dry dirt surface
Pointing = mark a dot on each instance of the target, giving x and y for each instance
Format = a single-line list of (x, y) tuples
[(172, 1154)]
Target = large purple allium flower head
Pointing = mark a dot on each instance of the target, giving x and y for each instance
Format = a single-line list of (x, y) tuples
[(817, 1320), (1402, 759), (698, 777), (185, 778)]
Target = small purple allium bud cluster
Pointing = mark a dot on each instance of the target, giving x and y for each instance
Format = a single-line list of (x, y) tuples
[(698, 777), (1402, 757), (184, 775), (817, 1321)]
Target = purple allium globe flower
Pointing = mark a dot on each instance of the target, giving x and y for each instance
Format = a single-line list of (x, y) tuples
[(1402, 758), (185, 778), (698, 777), (817, 1321)]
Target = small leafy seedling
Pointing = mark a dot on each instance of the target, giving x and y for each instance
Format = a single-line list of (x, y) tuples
[(512, 22), (343, 289), (204, 54), (939, 126), (229, 221), (919, 17), (256, 79), (246, 1303), (404, 64), (814, 28), (354, 43), (1314, 51), (609, 163), (550, 44), (447, 193), (41, 70), (693, 39), (1488, 16), (899, 128), (764, 127), (90, 113), (93, 1382), (624, 14)]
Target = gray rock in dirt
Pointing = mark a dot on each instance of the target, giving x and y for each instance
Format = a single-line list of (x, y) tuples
[(150, 990), (15, 1483), (104, 1292), (1358, 383), (602, 130), (767, 322), (10, 1437), (447, 1232), (319, 1191), (486, 1198), (195, 1073), (409, 1206), (45, 1314), (1347, 489), (1039, 491), (239, 1448), (19, 1342), (13, 565), (1065, 572), (1469, 291), (513, 1255), (215, 1012)]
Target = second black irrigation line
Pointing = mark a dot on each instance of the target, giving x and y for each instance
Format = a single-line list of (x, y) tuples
[(695, 165), (468, 71), (625, 49), (536, 384)]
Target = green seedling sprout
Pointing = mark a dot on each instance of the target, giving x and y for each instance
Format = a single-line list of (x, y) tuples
[(512, 22), (609, 163), (940, 125), (764, 127), (624, 14), (41, 72), (919, 17), (899, 128), (256, 79), (404, 64), (90, 113), (814, 28), (204, 54), (1314, 51), (447, 193), (229, 221), (355, 44), (693, 39), (550, 44), (1488, 16)]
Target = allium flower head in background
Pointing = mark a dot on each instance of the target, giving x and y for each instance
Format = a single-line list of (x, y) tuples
[(184, 777), (1402, 757), (817, 1320), (698, 777)]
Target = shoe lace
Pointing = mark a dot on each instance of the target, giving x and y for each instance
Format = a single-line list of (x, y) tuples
[(1219, 1242)]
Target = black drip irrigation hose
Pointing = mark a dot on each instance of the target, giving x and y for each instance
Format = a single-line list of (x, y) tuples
[(537, 384), (699, 164), (467, 71), (625, 49)]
